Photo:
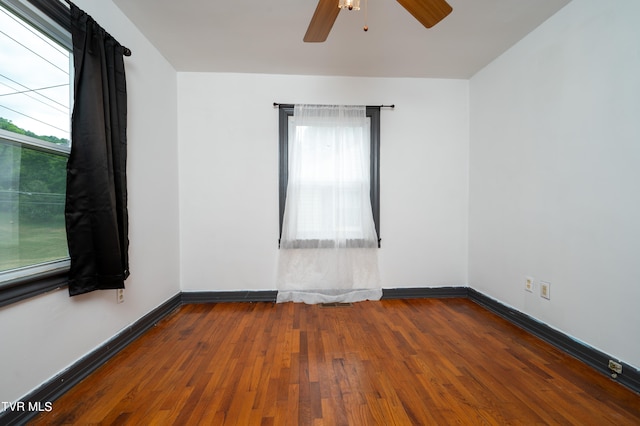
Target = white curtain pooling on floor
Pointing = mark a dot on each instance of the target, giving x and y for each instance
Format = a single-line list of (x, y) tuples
[(328, 246)]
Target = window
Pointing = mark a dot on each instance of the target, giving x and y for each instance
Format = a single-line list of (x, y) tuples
[(35, 98), (311, 228)]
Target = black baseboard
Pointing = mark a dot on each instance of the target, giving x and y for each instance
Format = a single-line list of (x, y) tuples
[(56, 387), (64, 381), (229, 296), (423, 292)]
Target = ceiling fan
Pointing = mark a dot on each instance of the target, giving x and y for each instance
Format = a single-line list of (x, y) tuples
[(427, 12)]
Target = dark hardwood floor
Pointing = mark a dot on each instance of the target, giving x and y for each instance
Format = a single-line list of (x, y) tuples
[(392, 362)]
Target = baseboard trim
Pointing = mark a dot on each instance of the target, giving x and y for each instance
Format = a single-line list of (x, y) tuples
[(229, 296), (424, 292), (60, 384), (594, 358), (64, 381)]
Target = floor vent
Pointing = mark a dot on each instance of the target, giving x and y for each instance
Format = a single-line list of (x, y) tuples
[(336, 305)]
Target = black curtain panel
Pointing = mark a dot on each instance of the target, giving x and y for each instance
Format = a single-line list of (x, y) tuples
[(96, 202)]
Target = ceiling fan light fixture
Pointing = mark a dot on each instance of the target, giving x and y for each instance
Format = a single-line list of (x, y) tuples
[(427, 12), (349, 4)]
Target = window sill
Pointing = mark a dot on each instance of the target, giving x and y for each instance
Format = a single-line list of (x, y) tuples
[(21, 288), (329, 244)]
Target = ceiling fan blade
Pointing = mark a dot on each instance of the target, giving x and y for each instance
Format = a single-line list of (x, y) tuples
[(428, 12), (322, 21)]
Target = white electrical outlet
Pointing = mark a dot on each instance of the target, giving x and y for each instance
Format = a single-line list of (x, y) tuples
[(615, 367), (120, 295), (545, 290), (528, 284)]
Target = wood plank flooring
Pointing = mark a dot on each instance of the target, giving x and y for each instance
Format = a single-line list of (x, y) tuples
[(392, 362)]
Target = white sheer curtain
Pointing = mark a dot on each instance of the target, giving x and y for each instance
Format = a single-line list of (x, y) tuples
[(328, 246)]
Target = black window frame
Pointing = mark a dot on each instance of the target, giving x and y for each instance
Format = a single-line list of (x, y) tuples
[(32, 285), (373, 113)]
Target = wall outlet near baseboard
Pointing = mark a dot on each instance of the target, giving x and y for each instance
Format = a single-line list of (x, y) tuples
[(528, 284), (615, 367), (545, 290), (120, 295)]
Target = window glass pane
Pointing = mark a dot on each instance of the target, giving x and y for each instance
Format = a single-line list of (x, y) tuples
[(32, 185), (333, 181), (34, 145), (34, 80)]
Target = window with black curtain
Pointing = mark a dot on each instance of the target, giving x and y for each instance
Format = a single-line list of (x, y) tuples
[(95, 175)]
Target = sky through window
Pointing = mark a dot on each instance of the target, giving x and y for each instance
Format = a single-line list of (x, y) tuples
[(34, 79)]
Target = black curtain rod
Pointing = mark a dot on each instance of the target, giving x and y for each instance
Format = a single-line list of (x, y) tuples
[(126, 52), (276, 104)]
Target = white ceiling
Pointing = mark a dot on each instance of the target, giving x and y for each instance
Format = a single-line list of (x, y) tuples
[(265, 36)]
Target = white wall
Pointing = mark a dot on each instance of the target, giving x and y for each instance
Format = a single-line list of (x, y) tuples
[(228, 137), (554, 175), (44, 335)]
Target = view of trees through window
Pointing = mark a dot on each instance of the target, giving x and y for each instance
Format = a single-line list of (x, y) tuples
[(32, 191), (34, 143)]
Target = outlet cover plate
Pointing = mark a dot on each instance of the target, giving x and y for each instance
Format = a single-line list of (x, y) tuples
[(528, 284), (545, 290)]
